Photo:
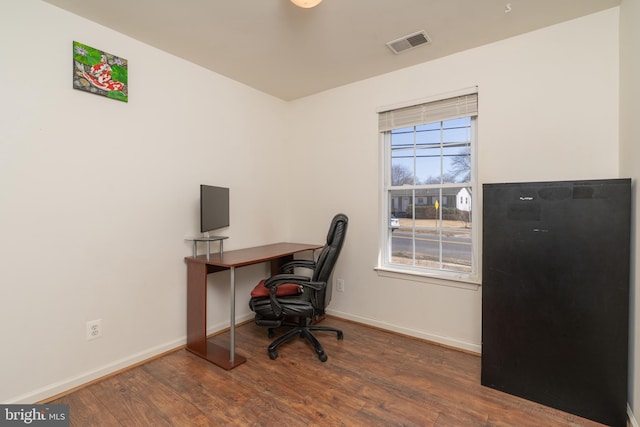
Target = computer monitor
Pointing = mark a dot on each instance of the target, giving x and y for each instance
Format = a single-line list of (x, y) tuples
[(214, 208)]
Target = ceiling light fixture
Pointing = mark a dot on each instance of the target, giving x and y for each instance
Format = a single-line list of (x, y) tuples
[(306, 3)]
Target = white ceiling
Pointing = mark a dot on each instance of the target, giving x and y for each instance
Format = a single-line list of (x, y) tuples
[(290, 52)]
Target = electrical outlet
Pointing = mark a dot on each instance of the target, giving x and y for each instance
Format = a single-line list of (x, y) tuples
[(94, 329), (340, 285)]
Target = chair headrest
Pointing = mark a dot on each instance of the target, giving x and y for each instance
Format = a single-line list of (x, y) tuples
[(334, 223)]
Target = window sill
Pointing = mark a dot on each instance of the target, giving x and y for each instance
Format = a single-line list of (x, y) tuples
[(435, 279)]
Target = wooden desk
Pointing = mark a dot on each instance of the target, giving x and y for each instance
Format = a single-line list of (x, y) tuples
[(197, 270)]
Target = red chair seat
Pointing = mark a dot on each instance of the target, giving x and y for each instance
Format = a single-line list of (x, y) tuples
[(283, 290)]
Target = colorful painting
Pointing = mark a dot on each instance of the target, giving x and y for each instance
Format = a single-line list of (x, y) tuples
[(100, 72)]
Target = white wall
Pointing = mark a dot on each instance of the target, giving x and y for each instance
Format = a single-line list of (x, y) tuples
[(96, 197), (548, 110), (629, 161)]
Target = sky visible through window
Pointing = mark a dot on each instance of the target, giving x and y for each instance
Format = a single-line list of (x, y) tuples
[(432, 153)]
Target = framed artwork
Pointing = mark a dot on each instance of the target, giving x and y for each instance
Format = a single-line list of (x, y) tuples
[(99, 72)]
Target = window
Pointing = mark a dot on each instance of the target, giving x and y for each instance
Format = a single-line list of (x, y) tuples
[(429, 185)]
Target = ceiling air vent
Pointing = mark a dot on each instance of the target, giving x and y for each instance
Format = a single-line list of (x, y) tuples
[(409, 42)]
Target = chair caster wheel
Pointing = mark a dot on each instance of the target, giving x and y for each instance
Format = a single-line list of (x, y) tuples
[(273, 355), (323, 357), (340, 335)]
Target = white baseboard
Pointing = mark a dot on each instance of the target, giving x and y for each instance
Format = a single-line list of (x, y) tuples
[(632, 419), (449, 342), (67, 384), (54, 389)]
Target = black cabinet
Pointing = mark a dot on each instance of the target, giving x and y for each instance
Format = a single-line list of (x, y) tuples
[(555, 294)]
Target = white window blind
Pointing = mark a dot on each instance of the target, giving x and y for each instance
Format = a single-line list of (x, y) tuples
[(435, 111)]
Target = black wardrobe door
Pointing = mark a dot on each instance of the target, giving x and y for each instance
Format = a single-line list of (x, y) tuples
[(555, 294)]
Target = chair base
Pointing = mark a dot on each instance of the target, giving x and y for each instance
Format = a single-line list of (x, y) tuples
[(303, 330)]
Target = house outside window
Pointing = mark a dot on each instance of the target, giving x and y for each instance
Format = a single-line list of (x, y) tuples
[(429, 170)]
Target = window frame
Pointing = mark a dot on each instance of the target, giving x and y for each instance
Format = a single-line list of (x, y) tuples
[(470, 279)]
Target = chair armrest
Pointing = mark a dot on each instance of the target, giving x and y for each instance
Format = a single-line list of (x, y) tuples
[(318, 286), (288, 267), (273, 282)]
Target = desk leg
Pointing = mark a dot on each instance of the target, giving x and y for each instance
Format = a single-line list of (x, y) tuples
[(197, 308), (232, 320), (197, 320)]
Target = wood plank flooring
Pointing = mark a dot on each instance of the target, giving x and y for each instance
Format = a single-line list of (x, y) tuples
[(372, 378)]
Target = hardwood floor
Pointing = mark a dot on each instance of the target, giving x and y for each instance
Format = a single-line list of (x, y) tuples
[(372, 378)]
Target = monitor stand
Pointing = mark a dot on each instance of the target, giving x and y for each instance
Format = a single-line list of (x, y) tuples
[(207, 239)]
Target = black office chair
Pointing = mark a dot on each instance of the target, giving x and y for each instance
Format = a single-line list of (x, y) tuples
[(288, 295)]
